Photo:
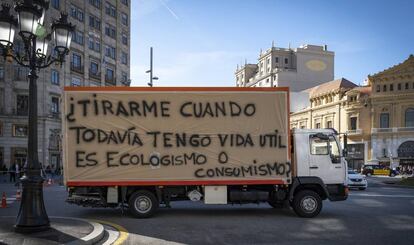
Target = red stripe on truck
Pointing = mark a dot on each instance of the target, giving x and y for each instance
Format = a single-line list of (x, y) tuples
[(147, 183)]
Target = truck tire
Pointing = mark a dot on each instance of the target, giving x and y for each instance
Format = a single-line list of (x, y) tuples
[(307, 203), (143, 204)]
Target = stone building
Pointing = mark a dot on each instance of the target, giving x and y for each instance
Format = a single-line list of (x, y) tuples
[(339, 104), (99, 56), (378, 118), (298, 69), (392, 110)]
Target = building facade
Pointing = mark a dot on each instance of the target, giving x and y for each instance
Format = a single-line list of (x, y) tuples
[(378, 118), (341, 105), (298, 69), (392, 109), (99, 56)]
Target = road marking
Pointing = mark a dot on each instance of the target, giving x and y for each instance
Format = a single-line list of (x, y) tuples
[(123, 233), (382, 195)]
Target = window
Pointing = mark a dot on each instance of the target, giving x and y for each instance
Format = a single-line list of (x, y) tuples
[(124, 39), (329, 124), (409, 117), (56, 4), (76, 13), (399, 86), (378, 88), (20, 130), (109, 75), (1, 72), (124, 19), (125, 2), (94, 44), (406, 86), (353, 123), (18, 155), (94, 22), (384, 88), (110, 31), (55, 77), (95, 3), (124, 58), (77, 37), (384, 120), (318, 146), (318, 125), (110, 9), (20, 73), (76, 64), (76, 82), (391, 87), (334, 150), (55, 105), (286, 60), (22, 105), (94, 68), (277, 60), (110, 52)]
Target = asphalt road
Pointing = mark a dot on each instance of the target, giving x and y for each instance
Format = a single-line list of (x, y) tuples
[(379, 215)]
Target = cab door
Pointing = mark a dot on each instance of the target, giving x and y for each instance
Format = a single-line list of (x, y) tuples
[(325, 159)]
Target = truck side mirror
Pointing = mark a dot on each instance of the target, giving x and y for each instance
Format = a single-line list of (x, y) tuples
[(345, 150)]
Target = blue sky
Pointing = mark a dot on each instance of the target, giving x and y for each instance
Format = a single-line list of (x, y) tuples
[(200, 42)]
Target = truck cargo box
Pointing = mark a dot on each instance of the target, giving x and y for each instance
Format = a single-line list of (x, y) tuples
[(176, 136)]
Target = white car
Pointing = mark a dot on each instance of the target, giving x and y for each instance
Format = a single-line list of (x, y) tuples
[(356, 180)]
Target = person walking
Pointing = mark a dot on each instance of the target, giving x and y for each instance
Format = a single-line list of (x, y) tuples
[(12, 173)]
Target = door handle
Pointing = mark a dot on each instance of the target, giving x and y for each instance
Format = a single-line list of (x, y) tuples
[(313, 167), (338, 167)]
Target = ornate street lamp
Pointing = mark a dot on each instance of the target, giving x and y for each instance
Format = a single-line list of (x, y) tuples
[(32, 214)]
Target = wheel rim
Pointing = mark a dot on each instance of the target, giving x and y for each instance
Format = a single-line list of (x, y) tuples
[(143, 204), (309, 204)]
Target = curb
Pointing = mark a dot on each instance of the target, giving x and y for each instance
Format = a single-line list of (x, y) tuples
[(96, 235)]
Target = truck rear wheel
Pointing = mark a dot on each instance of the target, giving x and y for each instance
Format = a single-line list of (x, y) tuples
[(142, 204), (307, 204)]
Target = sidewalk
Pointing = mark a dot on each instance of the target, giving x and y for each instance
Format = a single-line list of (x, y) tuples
[(62, 231)]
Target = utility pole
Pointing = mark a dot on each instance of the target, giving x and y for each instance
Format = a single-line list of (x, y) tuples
[(151, 71)]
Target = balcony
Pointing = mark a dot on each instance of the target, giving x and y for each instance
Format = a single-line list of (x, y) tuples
[(94, 75), (76, 68), (392, 130), (352, 132)]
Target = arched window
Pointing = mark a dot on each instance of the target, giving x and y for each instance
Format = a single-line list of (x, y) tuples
[(409, 117)]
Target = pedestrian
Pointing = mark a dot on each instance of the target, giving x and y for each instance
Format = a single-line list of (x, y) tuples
[(48, 171), (12, 173)]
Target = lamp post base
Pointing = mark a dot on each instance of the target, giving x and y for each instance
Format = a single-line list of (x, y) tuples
[(32, 215)]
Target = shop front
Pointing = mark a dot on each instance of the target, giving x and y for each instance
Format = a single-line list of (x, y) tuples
[(406, 156), (355, 156)]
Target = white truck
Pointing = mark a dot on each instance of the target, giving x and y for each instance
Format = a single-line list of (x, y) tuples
[(144, 147)]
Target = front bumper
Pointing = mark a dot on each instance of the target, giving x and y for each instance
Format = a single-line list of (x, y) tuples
[(360, 184)]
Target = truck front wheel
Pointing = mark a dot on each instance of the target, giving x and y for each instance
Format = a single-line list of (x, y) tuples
[(307, 204), (142, 204)]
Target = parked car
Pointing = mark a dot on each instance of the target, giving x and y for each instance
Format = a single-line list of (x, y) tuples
[(356, 180), (369, 170)]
